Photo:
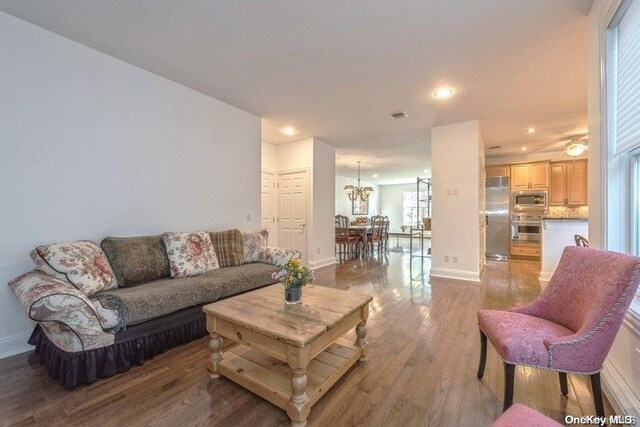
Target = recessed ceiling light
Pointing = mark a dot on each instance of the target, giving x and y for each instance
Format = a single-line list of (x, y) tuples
[(375, 175), (524, 148), (443, 92), (530, 130), (289, 130), (426, 171)]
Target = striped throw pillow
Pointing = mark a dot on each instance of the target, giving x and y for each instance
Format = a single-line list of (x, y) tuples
[(228, 247)]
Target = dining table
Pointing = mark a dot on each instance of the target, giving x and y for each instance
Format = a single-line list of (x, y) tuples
[(361, 231)]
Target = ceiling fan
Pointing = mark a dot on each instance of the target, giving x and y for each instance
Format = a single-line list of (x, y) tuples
[(574, 146)]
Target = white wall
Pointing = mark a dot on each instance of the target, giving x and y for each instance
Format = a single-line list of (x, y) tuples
[(457, 160), (93, 146), (295, 155), (343, 204), (621, 377), (391, 203), (269, 157), (323, 233)]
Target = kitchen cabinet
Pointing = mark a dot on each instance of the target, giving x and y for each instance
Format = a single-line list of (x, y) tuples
[(502, 170), (558, 187), (525, 250), (527, 176), (568, 183)]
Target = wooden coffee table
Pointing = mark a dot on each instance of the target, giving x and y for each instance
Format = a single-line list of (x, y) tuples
[(289, 355)]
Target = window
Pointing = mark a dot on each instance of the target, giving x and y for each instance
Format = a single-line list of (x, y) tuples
[(411, 213), (623, 128), (622, 118)]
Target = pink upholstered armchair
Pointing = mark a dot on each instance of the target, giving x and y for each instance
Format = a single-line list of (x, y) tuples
[(570, 327)]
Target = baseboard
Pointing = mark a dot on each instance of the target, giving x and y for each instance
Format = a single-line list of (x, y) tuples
[(455, 274), (322, 263), (14, 344), (618, 392), (545, 276)]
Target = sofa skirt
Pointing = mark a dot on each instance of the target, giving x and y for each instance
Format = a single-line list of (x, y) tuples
[(131, 347)]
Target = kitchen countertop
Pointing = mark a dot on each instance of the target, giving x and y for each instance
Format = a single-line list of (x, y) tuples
[(549, 218)]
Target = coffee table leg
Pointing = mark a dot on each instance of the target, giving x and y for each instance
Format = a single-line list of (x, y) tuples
[(361, 333), (215, 345), (298, 407)]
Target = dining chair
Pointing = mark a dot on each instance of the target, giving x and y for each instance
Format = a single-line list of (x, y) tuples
[(346, 241), (581, 241), (571, 326), (376, 236), (385, 233)]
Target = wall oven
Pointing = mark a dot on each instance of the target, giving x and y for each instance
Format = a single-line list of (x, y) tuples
[(526, 227), (527, 200)]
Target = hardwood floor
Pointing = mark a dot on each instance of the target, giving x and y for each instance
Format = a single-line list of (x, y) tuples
[(423, 354)]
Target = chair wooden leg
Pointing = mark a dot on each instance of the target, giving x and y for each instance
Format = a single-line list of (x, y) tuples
[(564, 388), (509, 378), (597, 394), (483, 354)]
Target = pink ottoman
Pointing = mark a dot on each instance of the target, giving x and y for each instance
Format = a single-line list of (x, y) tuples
[(520, 415)]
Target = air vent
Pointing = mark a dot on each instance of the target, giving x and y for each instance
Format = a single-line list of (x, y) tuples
[(399, 115), (495, 147)]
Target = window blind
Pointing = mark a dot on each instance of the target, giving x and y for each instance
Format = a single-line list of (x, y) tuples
[(627, 85)]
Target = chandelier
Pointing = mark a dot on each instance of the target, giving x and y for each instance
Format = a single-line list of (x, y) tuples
[(358, 192)]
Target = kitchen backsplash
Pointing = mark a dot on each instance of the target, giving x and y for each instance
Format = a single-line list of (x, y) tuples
[(568, 212)]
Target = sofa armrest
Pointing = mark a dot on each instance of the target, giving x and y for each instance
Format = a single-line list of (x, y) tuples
[(68, 317), (279, 256)]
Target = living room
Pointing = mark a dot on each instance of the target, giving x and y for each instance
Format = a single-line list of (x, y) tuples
[(171, 173)]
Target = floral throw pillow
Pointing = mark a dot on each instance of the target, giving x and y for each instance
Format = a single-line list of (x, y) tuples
[(255, 244), (190, 254), (83, 264)]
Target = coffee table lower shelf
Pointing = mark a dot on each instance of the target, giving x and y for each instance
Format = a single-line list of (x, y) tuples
[(270, 378)]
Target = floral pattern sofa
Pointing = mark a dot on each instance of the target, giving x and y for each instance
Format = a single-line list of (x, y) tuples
[(101, 309)]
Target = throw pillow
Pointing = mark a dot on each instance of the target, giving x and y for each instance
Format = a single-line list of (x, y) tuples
[(254, 243), (228, 246), (190, 254), (136, 260), (45, 268), (83, 264)]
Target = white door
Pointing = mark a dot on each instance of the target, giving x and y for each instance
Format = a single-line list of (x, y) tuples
[(293, 197), (268, 206)]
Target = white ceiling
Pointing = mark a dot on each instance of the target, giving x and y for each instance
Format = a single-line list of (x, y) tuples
[(336, 69)]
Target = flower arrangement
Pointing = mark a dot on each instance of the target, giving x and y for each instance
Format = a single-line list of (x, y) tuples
[(360, 220), (294, 274)]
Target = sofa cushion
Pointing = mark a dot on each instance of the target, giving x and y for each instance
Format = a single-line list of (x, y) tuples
[(254, 244), (136, 260), (83, 264), (190, 254), (228, 247), (160, 297)]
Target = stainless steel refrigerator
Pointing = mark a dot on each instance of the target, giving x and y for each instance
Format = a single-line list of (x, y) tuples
[(498, 218)]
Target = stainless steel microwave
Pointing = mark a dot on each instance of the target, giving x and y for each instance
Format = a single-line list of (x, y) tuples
[(531, 199)]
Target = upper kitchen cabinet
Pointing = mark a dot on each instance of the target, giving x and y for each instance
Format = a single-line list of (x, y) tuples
[(558, 187), (502, 170), (568, 183), (529, 176)]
